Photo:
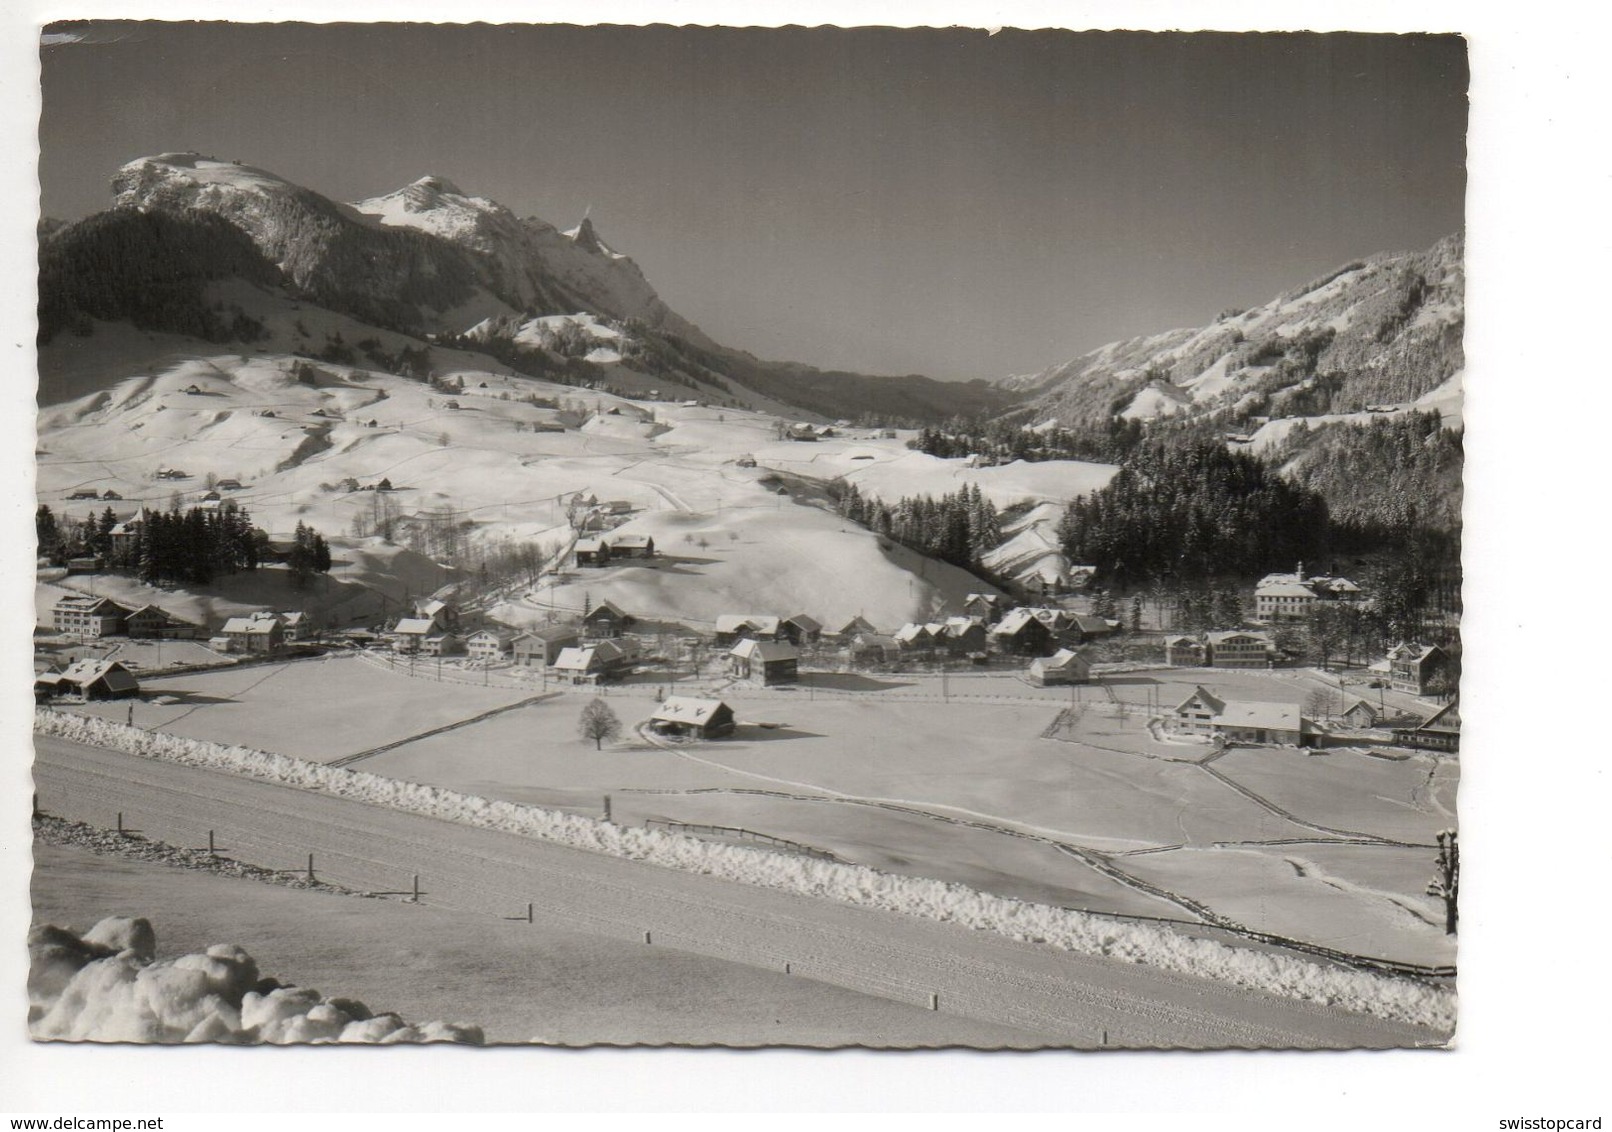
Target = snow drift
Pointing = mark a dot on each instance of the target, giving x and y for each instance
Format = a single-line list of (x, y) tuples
[(1394, 998), (108, 986)]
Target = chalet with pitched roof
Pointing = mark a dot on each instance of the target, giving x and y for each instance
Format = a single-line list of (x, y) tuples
[(1412, 667), (801, 629), (541, 647), (872, 648), (1196, 714), (591, 552), (1253, 721), (766, 662), (490, 644), (1065, 666), (605, 621), (693, 718), (1440, 731), (989, 608), (261, 633), (1021, 633), (632, 546), (98, 679)]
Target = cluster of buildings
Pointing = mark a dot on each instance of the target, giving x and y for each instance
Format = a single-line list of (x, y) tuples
[(1228, 648), (86, 616), (1293, 597), (92, 678)]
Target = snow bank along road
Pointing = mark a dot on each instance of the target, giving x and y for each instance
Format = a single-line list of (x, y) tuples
[(1064, 997)]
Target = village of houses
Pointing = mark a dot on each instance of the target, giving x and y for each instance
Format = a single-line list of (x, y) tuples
[(1132, 773)]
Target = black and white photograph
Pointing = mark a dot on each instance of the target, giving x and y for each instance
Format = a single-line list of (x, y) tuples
[(559, 536), (809, 537)]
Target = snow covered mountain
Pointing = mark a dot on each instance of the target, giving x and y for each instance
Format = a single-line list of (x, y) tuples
[(432, 259), (1383, 330)]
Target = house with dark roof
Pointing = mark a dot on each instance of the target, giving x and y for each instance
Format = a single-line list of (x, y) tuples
[(872, 648), (1021, 633), (606, 620), (855, 625), (801, 629)]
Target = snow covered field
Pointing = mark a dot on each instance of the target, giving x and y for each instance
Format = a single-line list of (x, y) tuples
[(953, 779)]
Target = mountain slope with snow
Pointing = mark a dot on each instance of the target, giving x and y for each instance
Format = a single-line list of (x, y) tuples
[(1383, 330)]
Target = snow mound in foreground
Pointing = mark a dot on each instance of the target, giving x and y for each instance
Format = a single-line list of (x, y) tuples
[(108, 986), (1364, 992)]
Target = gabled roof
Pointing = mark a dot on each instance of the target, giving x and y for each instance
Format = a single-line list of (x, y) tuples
[(957, 626), (83, 603), (503, 636), (764, 651), (1283, 589), (1210, 700), (687, 709), (549, 633), (911, 632), (430, 607), (1062, 659), (872, 640), (1221, 636), (1089, 623), (1183, 640), (591, 545), (634, 541), (1412, 651), (1446, 718), (756, 622), (579, 660), (89, 670), (802, 621), (606, 607), (1014, 622), (857, 624), (1257, 713), (409, 626), (1360, 703)]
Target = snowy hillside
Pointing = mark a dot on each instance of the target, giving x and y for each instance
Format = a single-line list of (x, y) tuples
[(1383, 330)]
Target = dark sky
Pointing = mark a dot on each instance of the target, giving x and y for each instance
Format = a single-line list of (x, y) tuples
[(939, 201)]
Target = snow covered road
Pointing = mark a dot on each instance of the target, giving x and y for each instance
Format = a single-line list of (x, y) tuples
[(1065, 997)]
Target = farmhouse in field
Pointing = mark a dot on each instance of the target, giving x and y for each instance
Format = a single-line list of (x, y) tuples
[(1293, 597), (99, 679), (695, 718), (1413, 667), (606, 621), (1359, 715), (801, 629), (261, 633), (591, 552), (961, 636), (541, 647), (1063, 667), (1440, 731), (89, 616), (913, 638), (1251, 721), (409, 634), (632, 546), (766, 662), (1196, 714)]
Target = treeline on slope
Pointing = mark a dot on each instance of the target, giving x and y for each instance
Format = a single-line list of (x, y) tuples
[(177, 547), (150, 269), (1193, 510), (1381, 479), (960, 527), (1007, 438)]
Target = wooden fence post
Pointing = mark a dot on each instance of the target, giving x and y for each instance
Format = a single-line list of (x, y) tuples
[(210, 849), (310, 868), (415, 898), (934, 1001)]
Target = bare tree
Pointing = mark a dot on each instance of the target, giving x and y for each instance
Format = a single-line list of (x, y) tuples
[(1447, 884), (598, 722), (1318, 704)]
